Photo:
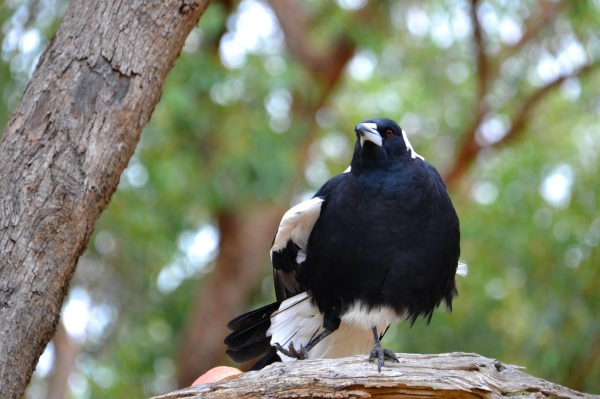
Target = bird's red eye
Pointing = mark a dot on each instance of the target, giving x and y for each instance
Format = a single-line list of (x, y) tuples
[(389, 133)]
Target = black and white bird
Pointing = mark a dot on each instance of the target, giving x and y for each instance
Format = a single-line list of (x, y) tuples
[(376, 245)]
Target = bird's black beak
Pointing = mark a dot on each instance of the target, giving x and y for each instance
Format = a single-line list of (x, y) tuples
[(368, 132)]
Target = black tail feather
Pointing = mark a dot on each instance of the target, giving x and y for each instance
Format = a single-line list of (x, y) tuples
[(248, 318), (250, 352), (270, 357), (248, 335), (248, 339)]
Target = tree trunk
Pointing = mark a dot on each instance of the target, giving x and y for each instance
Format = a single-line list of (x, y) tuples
[(63, 151), (65, 354), (240, 263), (244, 245), (451, 375)]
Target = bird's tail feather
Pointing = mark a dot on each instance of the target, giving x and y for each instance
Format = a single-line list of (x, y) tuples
[(249, 339), (250, 336), (270, 357), (249, 352), (249, 318)]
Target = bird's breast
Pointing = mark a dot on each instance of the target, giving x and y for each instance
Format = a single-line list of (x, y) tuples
[(365, 317)]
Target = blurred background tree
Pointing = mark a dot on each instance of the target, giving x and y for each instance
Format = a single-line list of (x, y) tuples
[(500, 95)]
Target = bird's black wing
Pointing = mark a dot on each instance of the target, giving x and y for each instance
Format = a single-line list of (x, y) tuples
[(288, 251), (446, 231), (446, 211)]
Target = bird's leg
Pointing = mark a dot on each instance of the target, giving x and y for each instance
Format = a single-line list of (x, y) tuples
[(290, 352), (303, 352), (305, 349), (379, 353)]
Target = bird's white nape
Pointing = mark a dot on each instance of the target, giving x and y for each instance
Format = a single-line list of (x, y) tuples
[(413, 153), (462, 269)]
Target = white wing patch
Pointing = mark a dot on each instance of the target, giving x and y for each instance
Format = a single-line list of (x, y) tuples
[(409, 147), (297, 321), (296, 225), (348, 169), (462, 269), (301, 257)]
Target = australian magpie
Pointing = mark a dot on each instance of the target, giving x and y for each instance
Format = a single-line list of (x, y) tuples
[(376, 245)]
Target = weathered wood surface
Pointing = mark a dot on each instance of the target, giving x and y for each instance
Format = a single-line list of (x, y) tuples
[(451, 375), (63, 151)]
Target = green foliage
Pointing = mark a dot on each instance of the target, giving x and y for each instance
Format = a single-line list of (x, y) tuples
[(227, 138)]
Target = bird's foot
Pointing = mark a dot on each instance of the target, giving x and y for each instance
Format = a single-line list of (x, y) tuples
[(382, 354), (292, 352)]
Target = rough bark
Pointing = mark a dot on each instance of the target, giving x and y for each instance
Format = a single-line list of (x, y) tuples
[(451, 375), (62, 153), (242, 259)]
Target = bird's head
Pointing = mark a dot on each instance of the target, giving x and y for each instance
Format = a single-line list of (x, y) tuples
[(381, 140)]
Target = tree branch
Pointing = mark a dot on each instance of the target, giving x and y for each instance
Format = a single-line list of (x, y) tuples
[(549, 11), (450, 375), (485, 71), (483, 67), (471, 148), (325, 67)]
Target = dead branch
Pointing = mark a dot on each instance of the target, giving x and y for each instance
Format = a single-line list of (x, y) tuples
[(450, 375)]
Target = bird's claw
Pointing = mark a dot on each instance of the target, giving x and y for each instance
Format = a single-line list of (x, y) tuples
[(382, 354), (292, 352)]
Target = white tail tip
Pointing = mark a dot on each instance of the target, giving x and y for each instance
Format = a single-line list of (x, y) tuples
[(462, 269)]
